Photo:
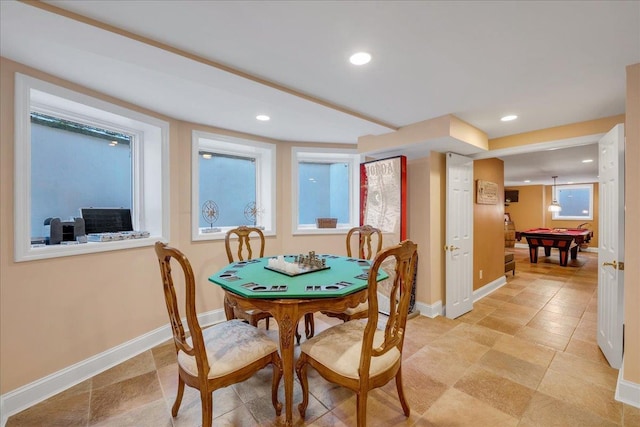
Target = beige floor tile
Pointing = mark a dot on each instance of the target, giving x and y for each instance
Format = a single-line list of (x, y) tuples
[(525, 350), (571, 310), (501, 393), (155, 414), (501, 324), (132, 393), (69, 408), (383, 410), (328, 420), (513, 368), (546, 411), (552, 327), (420, 390), (630, 415), (479, 312), (164, 354), (456, 408), (560, 318), (133, 367), (469, 350), (584, 369), (551, 340), (478, 334), (587, 350), (582, 393), (442, 366)]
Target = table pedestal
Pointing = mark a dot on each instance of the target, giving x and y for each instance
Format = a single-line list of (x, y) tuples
[(288, 312)]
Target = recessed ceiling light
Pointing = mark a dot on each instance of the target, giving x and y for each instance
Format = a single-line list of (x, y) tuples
[(570, 182), (587, 161), (207, 155), (360, 58), (509, 118), (527, 180), (263, 117)]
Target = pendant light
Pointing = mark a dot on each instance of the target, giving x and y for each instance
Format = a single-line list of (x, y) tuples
[(554, 206)]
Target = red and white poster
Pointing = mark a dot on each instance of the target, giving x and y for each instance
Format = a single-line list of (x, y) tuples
[(383, 196)]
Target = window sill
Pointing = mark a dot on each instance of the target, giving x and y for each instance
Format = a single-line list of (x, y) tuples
[(320, 231), (57, 251), (220, 235)]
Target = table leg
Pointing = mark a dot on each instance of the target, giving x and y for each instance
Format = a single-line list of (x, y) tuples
[(574, 252), (287, 319), (533, 254), (564, 255), (547, 251)]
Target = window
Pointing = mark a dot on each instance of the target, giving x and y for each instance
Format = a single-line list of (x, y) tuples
[(576, 202), (325, 185), (233, 184), (74, 151)]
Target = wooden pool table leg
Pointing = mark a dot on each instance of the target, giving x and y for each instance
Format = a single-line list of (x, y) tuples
[(533, 254), (564, 257), (574, 252)]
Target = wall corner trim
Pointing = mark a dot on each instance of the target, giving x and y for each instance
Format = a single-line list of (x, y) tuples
[(430, 310), (626, 391), (30, 394)]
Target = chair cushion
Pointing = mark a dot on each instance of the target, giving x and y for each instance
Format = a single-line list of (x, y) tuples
[(339, 347), (230, 346), (363, 306)]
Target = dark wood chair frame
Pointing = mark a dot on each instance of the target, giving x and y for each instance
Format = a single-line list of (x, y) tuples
[(197, 349), (405, 254)]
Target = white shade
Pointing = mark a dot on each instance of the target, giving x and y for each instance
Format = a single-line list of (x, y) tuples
[(554, 207)]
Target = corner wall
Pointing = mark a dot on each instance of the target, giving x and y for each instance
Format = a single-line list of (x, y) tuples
[(488, 226)]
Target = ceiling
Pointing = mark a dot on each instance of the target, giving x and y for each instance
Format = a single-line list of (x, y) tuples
[(222, 63)]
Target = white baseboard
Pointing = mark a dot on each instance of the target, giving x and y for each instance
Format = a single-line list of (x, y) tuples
[(626, 391), (478, 294), (30, 394), (436, 309), (428, 310)]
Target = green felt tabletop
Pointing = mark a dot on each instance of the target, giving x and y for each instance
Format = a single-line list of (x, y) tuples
[(251, 279)]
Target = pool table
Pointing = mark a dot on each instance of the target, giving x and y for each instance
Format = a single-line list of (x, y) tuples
[(565, 239)]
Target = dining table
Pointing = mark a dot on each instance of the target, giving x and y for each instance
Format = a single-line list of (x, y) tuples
[(290, 286)]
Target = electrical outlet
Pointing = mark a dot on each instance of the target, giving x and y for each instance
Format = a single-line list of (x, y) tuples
[(481, 274)]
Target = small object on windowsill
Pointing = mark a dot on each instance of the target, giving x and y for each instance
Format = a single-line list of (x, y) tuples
[(211, 230), (326, 222)]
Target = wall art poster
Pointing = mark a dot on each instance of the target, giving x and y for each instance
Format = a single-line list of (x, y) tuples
[(487, 193), (383, 196)]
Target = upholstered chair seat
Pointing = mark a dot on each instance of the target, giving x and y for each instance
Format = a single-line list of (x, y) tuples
[(339, 348), (230, 346)]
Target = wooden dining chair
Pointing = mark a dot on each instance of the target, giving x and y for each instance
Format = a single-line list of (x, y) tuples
[(363, 242), (218, 356), (356, 354), (238, 240)]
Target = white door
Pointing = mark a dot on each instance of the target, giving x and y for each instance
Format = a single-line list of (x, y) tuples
[(459, 236), (611, 250)]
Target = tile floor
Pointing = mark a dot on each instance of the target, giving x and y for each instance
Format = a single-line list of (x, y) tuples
[(525, 356)]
